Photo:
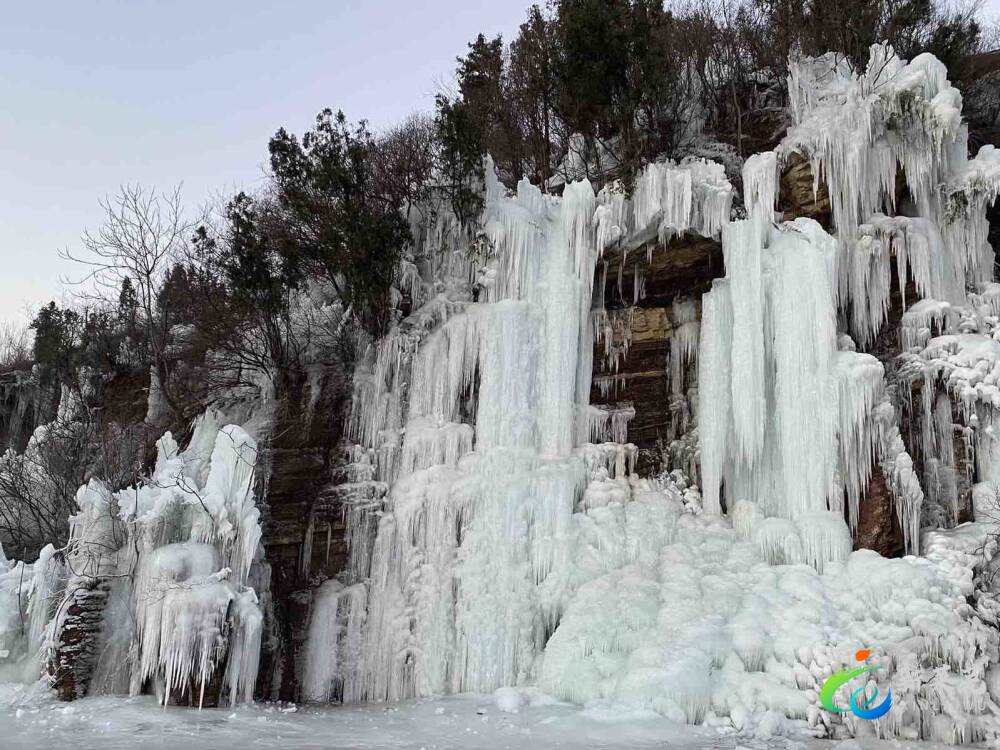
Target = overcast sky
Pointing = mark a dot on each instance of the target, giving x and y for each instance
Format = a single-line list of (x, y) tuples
[(95, 93)]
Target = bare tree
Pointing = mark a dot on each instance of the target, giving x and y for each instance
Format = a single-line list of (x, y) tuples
[(38, 487), (142, 235), (15, 346), (405, 160)]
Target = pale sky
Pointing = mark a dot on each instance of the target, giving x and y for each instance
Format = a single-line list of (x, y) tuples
[(96, 93)]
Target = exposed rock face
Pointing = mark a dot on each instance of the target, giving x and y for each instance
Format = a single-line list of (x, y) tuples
[(685, 267), (878, 527), (640, 377), (303, 528), (800, 196), (71, 662), (24, 405)]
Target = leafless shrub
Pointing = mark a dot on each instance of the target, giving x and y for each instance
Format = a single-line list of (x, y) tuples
[(15, 347)]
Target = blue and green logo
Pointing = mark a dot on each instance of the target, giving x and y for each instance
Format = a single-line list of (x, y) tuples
[(838, 679)]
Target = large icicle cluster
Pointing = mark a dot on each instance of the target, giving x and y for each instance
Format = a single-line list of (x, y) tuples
[(859, 130), (484, 403), (498, 533), (668, 200), (672, 199), (954, 382), (164, 569), (199, 534), (782, 412)]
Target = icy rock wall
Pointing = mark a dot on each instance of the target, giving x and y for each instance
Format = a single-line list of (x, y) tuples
[(152, 589), (952, 379), (859, 130), (474, 412), (511, 550), (487, 476), (687, 203), (938, 238)]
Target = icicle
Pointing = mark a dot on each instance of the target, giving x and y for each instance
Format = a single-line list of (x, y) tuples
[(860, 386), (745, 515), (333, 641), (683, 341), (778, 541), (760, 185), (825, 538), (741, 243), (714, 390)]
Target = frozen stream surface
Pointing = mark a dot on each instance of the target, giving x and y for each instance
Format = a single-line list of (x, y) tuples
[(29, 719)]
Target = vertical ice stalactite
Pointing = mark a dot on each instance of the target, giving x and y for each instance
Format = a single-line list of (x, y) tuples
[(714, 390), (563, 297), (683, 342), (801, 307), (760, 184), (669, 200), (779, 377), (335, 623), (742, 245), (860, 384)]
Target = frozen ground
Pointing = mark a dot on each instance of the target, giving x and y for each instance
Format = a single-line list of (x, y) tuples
[(30, 720)]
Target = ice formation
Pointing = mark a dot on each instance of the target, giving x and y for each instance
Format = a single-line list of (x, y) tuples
[(516, 545), (697, 624), (27, 594), (859, 130), (783, 416), (508, 377), (160, 573), (671, 199), (499, 534), (668, 200)]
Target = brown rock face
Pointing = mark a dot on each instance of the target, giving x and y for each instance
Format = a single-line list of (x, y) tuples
[(72, 659), (641, 379), (685, 267), (303, 538), (798, 196), (878, 528)]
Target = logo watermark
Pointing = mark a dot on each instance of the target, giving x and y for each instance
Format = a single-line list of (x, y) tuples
[(863, 710)]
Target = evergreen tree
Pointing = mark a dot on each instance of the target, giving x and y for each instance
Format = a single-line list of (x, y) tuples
[(330, 217), (460, 148)]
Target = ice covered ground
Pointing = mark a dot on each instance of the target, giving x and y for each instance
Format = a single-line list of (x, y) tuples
[(30, 720)]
